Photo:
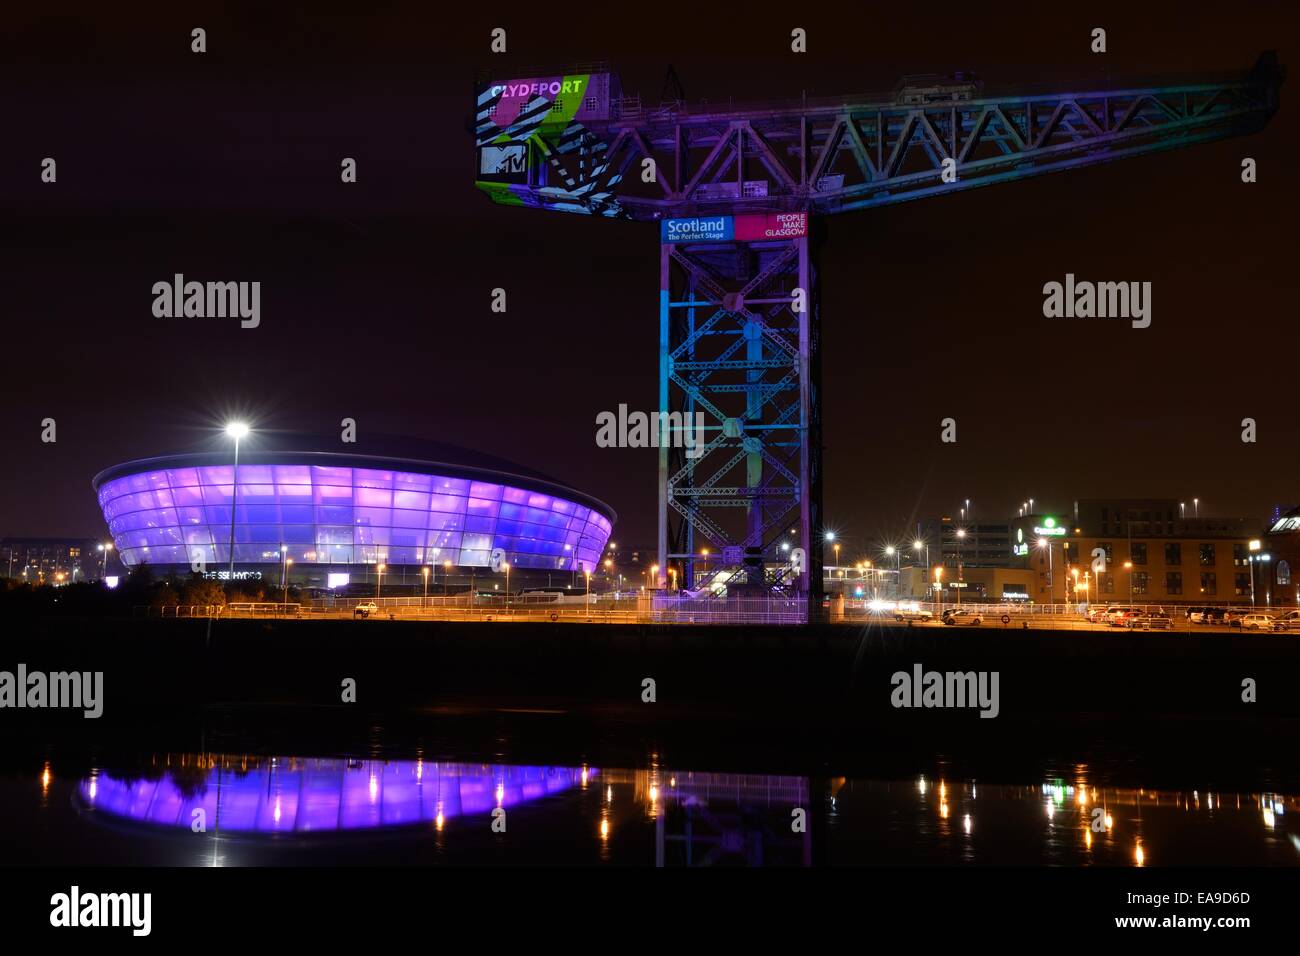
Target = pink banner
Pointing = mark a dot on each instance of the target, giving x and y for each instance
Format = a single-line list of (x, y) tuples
[(775, 225)]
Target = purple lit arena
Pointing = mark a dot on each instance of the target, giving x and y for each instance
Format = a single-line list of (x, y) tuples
[(291, 795), (328, 513)]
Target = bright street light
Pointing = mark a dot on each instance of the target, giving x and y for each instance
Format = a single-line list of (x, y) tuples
[(235, 430)]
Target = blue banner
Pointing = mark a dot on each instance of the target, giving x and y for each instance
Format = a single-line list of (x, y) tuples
[(697, 229)]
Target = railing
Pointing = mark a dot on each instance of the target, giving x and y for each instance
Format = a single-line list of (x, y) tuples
[(1055, 616), (675, 609)]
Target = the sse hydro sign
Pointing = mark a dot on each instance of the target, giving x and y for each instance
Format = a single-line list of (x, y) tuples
[(778, 225)]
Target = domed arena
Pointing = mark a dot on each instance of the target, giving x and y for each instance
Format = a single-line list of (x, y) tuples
[(320, 517)]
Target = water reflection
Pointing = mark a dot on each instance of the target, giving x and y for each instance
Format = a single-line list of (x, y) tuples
[(673, 817), (287, 794)]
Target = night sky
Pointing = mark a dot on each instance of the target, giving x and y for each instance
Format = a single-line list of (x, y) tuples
[(375, 296)]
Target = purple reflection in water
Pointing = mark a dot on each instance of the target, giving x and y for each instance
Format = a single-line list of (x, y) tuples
[(296, 795)]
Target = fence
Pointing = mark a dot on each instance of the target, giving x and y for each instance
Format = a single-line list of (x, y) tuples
[(677, 609)]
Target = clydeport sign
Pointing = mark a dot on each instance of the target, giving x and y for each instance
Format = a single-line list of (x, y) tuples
[(748, 228)]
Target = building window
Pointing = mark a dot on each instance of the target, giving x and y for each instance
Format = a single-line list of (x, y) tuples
[(1209, 582), (1107, 583), (1173, 582), (1174, 554), (1284, 572), (1207, 555), (1240, 556), (1241, 584), (1138, 552), (1139, 582)]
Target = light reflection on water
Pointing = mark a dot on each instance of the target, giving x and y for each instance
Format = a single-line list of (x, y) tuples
[(288, 795), (670, 817)]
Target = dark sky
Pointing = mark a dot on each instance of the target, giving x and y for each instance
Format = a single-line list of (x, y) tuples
[(375, 295)]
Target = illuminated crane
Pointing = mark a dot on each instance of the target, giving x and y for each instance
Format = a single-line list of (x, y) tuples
[(737, 192)]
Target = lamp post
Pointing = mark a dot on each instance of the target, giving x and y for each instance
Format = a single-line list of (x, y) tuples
[(1128, 566), (1074, 573), (379, 581), (1254, 546), (235, 430), (1051, 584), (506, 566), (446, 580), (938, 586), (104, 548), (919, 544), (424, 571), (284, 575)]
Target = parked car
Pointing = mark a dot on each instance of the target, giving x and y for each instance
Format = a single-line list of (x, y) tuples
[(960, 616), (1096, 612), (1154, 620), (912, 614), (1197, 615), (365, 609), (1262, 622), (1115, 616)]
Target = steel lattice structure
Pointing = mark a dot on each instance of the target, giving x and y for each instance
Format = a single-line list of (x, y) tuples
[(732, 345)]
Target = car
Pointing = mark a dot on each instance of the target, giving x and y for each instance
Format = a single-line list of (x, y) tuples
[(958, 616), (1198, 615), (1115, 615), (1291, 618), (1262, 622), (1153, 620), (912, 614), (1097, 612), (365, 609)]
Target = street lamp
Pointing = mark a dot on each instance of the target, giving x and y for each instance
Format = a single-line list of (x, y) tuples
[(446, 579), (1128, 566), (919, 544), (938, 586), (654, 576), (235, 430), (506, 566), (379, 581), (104, 548), (1254, 546), (284, 574), (1051, 584), (424, 571)]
